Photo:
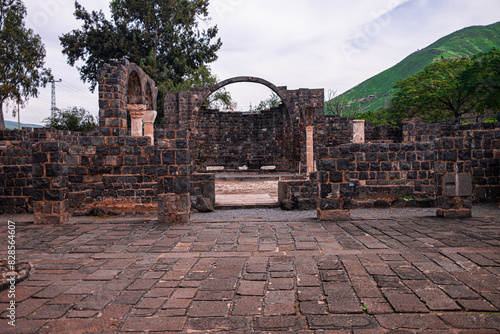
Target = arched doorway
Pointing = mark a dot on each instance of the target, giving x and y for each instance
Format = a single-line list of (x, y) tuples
[(247, 151)]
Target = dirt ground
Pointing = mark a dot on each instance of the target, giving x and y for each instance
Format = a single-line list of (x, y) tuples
[(246, 187)]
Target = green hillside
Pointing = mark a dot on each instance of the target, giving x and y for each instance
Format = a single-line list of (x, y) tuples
[(375, 92)]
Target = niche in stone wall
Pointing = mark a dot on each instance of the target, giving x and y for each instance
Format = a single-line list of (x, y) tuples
[(149, 97), (134, 89)]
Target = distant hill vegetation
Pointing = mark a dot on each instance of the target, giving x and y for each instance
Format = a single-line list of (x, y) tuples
[(13, 125), (376, 92)]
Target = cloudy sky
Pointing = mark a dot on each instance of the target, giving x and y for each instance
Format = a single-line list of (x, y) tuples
[(333, 44)]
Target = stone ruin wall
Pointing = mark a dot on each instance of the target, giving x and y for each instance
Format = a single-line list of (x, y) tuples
[(52, 173)]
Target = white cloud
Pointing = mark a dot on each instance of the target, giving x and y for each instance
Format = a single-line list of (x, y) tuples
[(296, 43)]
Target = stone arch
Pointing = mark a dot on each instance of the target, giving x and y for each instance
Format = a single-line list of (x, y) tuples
[(212, 89)]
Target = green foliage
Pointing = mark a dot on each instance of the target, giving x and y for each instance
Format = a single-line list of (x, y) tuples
[(73, 119), (449, 88), (273, 101), (466, 42), (22, 57), (162, 36)]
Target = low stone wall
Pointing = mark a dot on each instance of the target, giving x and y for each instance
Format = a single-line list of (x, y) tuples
[(116, 173), (297, 195), (378, 175), (16, 191), (203, 192)]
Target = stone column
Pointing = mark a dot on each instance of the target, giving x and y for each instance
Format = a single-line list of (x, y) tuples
[(334, 201), (50, 182), (149, 128), (358, 131), (174, 186), (310, 149), (454, 191), (136, 114)]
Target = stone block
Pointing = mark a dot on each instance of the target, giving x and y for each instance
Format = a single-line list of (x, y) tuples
[(334, 215), (457, 185)]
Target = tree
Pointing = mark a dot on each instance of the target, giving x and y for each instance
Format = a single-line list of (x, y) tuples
[(483, 79), (272, 102), (439, 91), (72, 119), (162, 36), (22, 56)]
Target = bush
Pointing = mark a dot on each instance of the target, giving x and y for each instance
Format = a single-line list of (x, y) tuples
[(72, 119)]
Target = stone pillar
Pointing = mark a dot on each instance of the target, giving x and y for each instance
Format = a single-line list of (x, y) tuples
[(136, 114), (174, 186), (149, 128), (334, 202), (310, 149), (358, 131), (454, 191), (309, 123), (50, 182)]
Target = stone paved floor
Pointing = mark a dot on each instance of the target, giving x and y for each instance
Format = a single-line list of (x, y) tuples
[(386, 272)]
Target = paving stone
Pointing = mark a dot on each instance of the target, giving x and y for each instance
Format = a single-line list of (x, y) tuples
[(102, 275), (97, 301), (208, 309), (405, 302), (81, 314), (280, 297), (77, 326), (312, 307), (411, 321), (154, 324), (332, 322), (247, 306), (376, 306), (230, 324), (184, 293), (285, 323), (333, 276), (177, 303), (472, 321), (25, 326), (310, 293), (50, 311), (214, 295), (129, 297), (216, 284), (251, 288), (480, 305), (308, 280), (281, 284)]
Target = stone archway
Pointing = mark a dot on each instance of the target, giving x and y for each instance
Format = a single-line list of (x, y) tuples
[(242, 79)]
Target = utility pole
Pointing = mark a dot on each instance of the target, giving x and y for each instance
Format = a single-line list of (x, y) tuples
[(18, 117), (53, 107)]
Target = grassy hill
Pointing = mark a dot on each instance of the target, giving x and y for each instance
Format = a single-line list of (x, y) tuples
[(375, 92)]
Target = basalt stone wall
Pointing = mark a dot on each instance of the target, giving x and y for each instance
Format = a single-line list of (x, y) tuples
[(332, 131), (484, 148), (202, 191), (122, 83), (16, 191), (185, 110), (117, 173), (235, 139), (50, 182), (297, 195), (376, 175)]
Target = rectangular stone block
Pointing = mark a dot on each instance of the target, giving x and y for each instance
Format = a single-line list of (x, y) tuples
[(334, 215)]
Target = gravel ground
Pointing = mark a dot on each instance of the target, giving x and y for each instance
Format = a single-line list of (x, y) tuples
[(480, 210)]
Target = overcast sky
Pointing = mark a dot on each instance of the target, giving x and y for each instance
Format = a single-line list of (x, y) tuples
[(333, 44)]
